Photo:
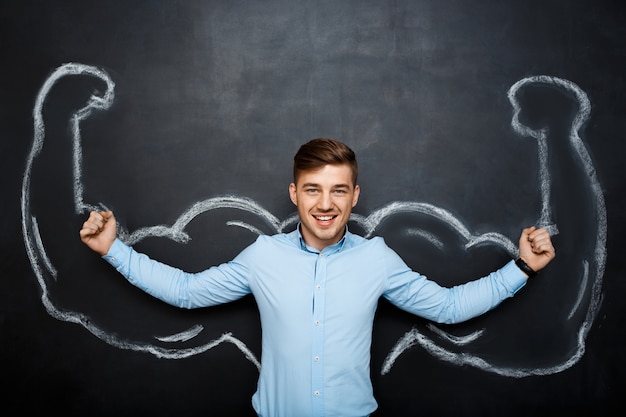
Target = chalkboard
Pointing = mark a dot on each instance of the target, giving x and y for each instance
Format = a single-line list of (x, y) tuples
[(470, 120)]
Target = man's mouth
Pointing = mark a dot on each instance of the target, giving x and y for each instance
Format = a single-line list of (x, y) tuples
[(324, 218)]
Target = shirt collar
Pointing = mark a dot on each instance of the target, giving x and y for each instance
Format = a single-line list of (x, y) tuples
[(337, 247)]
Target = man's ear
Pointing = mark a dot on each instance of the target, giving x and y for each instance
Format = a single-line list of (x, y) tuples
[(292, 193), (355, 198)]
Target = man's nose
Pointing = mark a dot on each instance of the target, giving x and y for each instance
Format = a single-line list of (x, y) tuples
[(325, 202)]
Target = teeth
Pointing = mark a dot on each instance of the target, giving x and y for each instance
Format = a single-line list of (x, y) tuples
[(324, 218)]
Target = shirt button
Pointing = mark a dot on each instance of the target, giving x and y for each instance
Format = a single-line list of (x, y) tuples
[(319, 287), (317, 393), (317, 322), (317, 359)]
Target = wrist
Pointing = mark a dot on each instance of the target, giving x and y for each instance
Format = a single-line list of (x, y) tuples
[(523, 266)]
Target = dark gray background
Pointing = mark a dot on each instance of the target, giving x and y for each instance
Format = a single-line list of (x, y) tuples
[(214, 98)]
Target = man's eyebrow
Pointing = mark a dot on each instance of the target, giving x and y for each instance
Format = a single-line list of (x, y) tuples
[(315, 185)]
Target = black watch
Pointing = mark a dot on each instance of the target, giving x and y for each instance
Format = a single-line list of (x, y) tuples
[(525, 268)]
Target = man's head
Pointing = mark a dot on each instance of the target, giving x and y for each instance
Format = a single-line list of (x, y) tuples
[(324, 190)]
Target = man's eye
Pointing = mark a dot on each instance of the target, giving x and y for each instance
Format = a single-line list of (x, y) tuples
[(310, 190), (340, 191)]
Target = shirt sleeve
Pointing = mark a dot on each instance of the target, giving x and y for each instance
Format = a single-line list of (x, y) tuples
[(418, 295), (216, 285)]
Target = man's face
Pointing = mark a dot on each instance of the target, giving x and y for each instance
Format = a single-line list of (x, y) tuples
[(324, 198)]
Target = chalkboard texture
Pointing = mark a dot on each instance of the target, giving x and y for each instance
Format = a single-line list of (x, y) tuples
[(471, 120)]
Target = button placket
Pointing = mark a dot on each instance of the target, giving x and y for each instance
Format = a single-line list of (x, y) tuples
[(318, 328)]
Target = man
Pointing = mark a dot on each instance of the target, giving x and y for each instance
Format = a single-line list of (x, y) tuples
[(317, 289)]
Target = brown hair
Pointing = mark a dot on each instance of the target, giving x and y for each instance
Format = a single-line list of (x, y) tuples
[(324, 151)]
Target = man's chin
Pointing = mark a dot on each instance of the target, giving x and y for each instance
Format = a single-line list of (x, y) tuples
[(330, 236)]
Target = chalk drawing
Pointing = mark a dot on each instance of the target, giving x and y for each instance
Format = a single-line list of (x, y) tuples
[(42, 265), (44, 269), (414, 336)]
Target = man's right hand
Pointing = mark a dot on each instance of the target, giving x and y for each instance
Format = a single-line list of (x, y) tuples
[(99, 231)]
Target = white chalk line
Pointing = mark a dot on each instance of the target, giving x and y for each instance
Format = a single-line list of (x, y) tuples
[(430, 237), (415, 337), (44, 256), (581, 117), (457, 340), (582, 290), (30, 230), (176, 232), (182, 336)]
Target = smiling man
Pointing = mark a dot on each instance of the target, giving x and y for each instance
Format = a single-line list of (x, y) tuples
[(325, 197), (317, 289)]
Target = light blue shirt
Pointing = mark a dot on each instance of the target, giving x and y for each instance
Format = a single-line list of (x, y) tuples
[(317, 311)]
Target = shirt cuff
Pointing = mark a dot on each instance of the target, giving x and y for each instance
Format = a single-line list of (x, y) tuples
[(118, 254), (513, 276)]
